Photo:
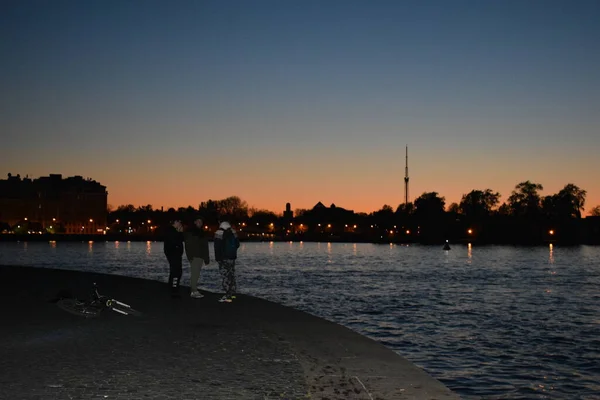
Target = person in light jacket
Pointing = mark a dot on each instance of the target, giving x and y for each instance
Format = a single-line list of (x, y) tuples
[(196, 250)]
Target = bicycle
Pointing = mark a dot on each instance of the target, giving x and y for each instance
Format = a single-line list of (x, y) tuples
[(93, 307)]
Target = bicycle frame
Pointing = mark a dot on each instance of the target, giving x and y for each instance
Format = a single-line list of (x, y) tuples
[(95, 305)]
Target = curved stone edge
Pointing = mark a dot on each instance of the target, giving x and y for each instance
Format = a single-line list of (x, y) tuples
[(338, 363)]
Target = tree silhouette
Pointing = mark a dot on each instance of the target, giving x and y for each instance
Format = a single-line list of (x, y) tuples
[(525, 201), (429, 205), (479, 203), (405, 209), (384, 217)]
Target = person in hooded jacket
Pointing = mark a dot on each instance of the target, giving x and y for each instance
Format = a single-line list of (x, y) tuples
[(196, 250), (226, 244)]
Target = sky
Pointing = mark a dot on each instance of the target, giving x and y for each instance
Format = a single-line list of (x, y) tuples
[(300, 101)]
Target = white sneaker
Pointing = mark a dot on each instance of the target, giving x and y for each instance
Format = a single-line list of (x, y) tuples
[(225, 299), (196, 295)]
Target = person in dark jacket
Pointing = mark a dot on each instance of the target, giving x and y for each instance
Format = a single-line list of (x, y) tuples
[(173, 248), (226, 245), (196, 250)]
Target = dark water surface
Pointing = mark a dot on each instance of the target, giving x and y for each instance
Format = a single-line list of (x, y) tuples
[(493, 322)]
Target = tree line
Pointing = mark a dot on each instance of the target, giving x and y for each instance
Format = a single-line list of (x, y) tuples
[(524, 202), (525, 215)]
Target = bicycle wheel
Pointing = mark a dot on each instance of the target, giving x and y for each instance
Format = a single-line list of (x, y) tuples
[(77, 307), (123, 308)]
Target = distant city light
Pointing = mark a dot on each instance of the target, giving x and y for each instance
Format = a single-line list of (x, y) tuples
[(407, 232), (470, 231), (551, 232), (91, 220), (25, 218)]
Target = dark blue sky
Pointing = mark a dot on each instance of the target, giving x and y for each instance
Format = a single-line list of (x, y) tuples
[(484, 93)]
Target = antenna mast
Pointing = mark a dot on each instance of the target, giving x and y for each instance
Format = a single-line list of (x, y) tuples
[(406, 179)]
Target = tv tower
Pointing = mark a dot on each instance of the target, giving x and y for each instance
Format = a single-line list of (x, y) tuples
[(406, 179)]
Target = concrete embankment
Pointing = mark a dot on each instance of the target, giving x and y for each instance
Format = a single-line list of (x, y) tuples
[(185, 348)]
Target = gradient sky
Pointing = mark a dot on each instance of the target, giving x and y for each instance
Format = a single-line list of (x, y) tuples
[(171, 103)]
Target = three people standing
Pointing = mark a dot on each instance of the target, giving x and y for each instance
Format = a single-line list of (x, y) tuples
[(226, 243)]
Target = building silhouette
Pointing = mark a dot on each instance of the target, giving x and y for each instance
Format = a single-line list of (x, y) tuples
[(288, 214), (73, 205)]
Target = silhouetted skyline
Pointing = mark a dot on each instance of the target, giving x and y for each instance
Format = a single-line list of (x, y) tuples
[(171, 103)]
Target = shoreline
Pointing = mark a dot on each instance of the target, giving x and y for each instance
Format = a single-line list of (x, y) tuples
[(156, 238), (187, 348)]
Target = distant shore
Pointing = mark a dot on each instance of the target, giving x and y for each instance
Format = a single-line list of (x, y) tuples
[(315, 238)]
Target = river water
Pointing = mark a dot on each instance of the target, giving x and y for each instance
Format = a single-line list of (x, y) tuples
[(492, 322)]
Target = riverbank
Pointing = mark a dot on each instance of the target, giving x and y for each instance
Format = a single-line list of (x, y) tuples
[(186, 348), (308, 239)]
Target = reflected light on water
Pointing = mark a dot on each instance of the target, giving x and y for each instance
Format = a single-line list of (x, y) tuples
[(469, 253), (52, 244), (116, 244), (354, 249), (91, 246), (551, 255), (148, 247)]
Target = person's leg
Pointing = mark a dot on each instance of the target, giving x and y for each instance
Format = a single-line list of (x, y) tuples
[(175, 274), (195, 266), (231, 276), (228, 274), (222, 272)]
